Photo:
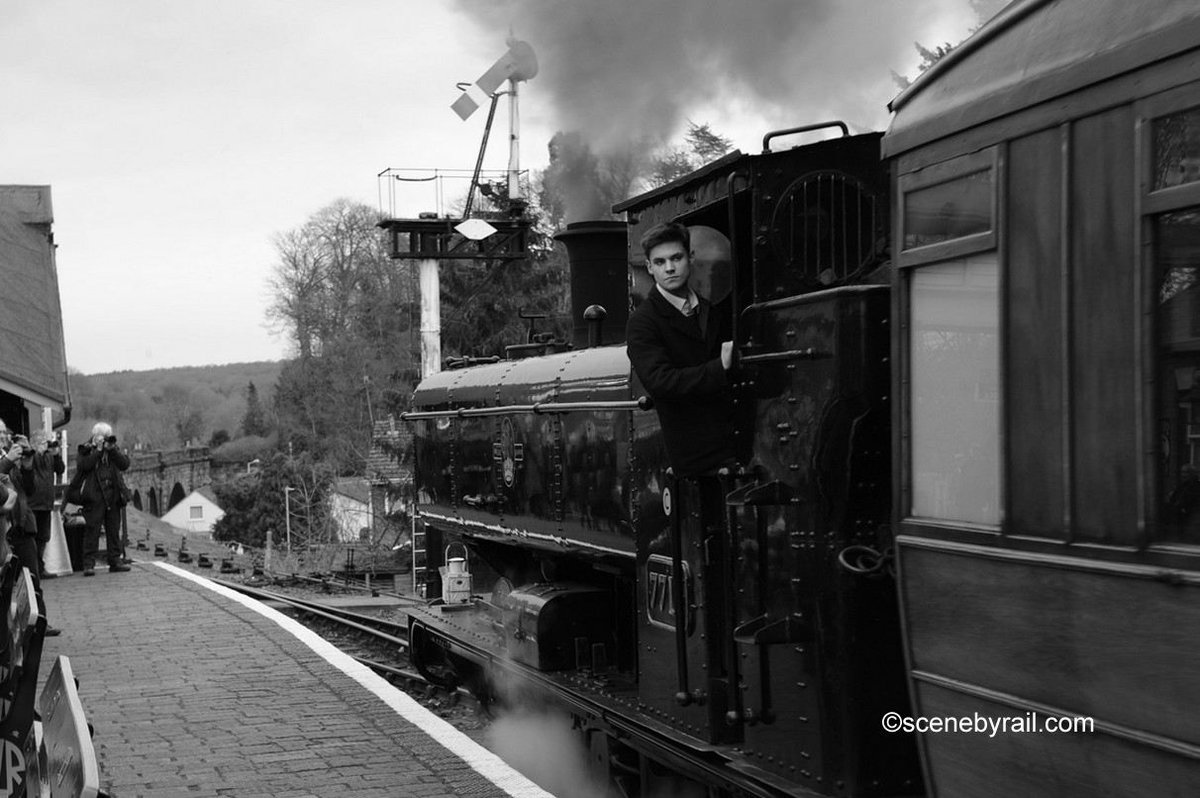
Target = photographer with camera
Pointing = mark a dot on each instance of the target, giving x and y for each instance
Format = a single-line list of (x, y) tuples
[(44, 461), (100, 463), (16, 483)]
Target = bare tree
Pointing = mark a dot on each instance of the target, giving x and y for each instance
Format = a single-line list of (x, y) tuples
[(183, 412), (296, 287), (348, 308), (323, 273)]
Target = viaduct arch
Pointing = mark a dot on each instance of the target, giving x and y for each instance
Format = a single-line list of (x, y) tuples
[(160, 480)]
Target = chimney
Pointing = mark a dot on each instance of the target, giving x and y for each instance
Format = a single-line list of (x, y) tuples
[(599, 265)]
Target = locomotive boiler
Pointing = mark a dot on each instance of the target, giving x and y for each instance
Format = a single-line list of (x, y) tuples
[(737, 632)]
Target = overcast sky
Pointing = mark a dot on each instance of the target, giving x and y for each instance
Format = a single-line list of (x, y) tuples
[(179, 137)]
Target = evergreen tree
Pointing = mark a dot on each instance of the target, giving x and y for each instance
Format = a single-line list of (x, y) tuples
[(254, 503), (703, 145), (254, 422), (706, 144)]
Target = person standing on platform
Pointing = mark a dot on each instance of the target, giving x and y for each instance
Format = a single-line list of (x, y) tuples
[(46, 463), (100, 463), (16, 481)]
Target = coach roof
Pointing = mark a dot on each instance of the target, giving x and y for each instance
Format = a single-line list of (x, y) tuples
[(1032, 52)]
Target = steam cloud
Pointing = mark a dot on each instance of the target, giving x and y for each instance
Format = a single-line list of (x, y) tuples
[(622, 69), (546, 750)]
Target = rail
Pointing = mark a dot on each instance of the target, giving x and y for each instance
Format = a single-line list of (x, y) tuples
[(365, 624), (376, 627), (537, 408)]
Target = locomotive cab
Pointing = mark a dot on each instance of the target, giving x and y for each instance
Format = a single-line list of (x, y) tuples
[(752, 610), (766, 593)]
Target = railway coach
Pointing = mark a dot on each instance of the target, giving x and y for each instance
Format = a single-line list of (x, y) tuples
[(1046, 239)]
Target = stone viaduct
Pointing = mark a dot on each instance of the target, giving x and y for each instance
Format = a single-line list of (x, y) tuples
[(160, 480)]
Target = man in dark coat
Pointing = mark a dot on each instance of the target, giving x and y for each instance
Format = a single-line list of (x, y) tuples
[(681, 350), (21, 532), (44, 462), (16, 483), (101, 463)]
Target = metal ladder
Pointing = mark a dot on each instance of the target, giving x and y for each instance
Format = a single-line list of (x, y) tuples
[(420, 562)]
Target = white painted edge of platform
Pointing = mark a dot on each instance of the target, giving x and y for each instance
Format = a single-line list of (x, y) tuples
[(481, 760)]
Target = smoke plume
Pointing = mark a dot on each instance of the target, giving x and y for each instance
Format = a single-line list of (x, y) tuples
[(618, 70)]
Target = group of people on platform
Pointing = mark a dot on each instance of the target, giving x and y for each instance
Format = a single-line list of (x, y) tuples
[(29, 470)]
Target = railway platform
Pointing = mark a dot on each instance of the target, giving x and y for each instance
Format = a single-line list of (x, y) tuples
[(195, 690)]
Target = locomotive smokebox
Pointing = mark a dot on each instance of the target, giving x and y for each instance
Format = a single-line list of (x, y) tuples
[(599, 276)]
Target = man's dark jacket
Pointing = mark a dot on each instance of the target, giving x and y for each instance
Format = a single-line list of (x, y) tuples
[(43, 468), (680, 368), (21, 520), (103, 485)]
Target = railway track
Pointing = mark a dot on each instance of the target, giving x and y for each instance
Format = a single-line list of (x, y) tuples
[(381, 643)]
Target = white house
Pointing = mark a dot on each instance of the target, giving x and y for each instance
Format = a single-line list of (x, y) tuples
[(350, 509), (196, 512)]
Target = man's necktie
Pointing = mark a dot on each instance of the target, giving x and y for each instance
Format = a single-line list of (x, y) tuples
[(692, 313)]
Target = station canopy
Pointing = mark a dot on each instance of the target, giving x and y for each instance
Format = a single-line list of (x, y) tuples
[(32, 357)]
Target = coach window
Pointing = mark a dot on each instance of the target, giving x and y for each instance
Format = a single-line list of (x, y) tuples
[(952, 363), (1172, 205), (1177, 237), (1176, 142)]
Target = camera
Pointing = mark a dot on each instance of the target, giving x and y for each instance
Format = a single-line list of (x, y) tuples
[(53, 443), (111, 439)]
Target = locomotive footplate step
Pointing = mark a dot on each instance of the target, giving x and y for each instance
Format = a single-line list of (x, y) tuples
[(467, 644)]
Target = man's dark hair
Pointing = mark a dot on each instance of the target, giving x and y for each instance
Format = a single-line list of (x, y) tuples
[(665, 233)]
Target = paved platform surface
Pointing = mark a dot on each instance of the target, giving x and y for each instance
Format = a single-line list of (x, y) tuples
[(194, 690)]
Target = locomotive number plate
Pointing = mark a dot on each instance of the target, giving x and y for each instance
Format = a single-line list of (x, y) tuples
[(660, 592)]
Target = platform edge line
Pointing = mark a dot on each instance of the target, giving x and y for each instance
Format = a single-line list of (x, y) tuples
[(481, 760)]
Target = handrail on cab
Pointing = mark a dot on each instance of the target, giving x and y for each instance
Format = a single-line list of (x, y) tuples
[(730, 188), (803, 129), (538, 408)]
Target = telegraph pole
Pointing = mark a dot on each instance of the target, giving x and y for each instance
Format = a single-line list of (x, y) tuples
[(514, 142), (287, 515)]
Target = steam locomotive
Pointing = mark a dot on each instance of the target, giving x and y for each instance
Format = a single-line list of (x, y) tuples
[(970, 352)]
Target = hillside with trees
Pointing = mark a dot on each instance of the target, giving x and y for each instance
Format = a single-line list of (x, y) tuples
[(172, 408)]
